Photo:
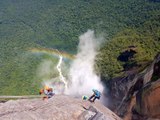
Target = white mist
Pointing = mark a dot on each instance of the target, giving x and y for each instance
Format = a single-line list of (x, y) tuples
[(82, 76)]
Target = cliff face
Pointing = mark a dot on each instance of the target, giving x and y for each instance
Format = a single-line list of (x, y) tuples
[(59, 107), (136, 96), (147, 102)]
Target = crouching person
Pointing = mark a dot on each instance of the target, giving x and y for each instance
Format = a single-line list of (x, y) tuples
[(47, 91), (96, 95)]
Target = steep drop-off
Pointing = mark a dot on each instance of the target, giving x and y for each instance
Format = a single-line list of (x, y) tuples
[(136, 96)]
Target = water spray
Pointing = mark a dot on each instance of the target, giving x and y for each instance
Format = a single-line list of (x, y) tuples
[(62, 78), (82, 74)]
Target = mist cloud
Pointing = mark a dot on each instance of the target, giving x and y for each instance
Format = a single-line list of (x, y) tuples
[(82, 76)]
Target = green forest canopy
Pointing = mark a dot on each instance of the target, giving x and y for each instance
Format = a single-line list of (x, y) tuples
[(57, 24)]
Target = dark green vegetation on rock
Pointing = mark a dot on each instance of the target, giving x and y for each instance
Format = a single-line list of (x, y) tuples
[(130, 48), (57, 24)]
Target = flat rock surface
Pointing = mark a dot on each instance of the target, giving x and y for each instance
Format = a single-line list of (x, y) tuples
[(59, 107)]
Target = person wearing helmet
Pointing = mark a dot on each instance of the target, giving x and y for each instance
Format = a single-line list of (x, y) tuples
[(96, 95), (47, 91), (84, 97)]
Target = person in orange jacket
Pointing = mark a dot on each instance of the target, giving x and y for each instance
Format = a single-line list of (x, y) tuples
[(47, 91)]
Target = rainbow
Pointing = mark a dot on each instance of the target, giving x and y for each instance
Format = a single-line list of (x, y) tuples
[(52, 52)]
